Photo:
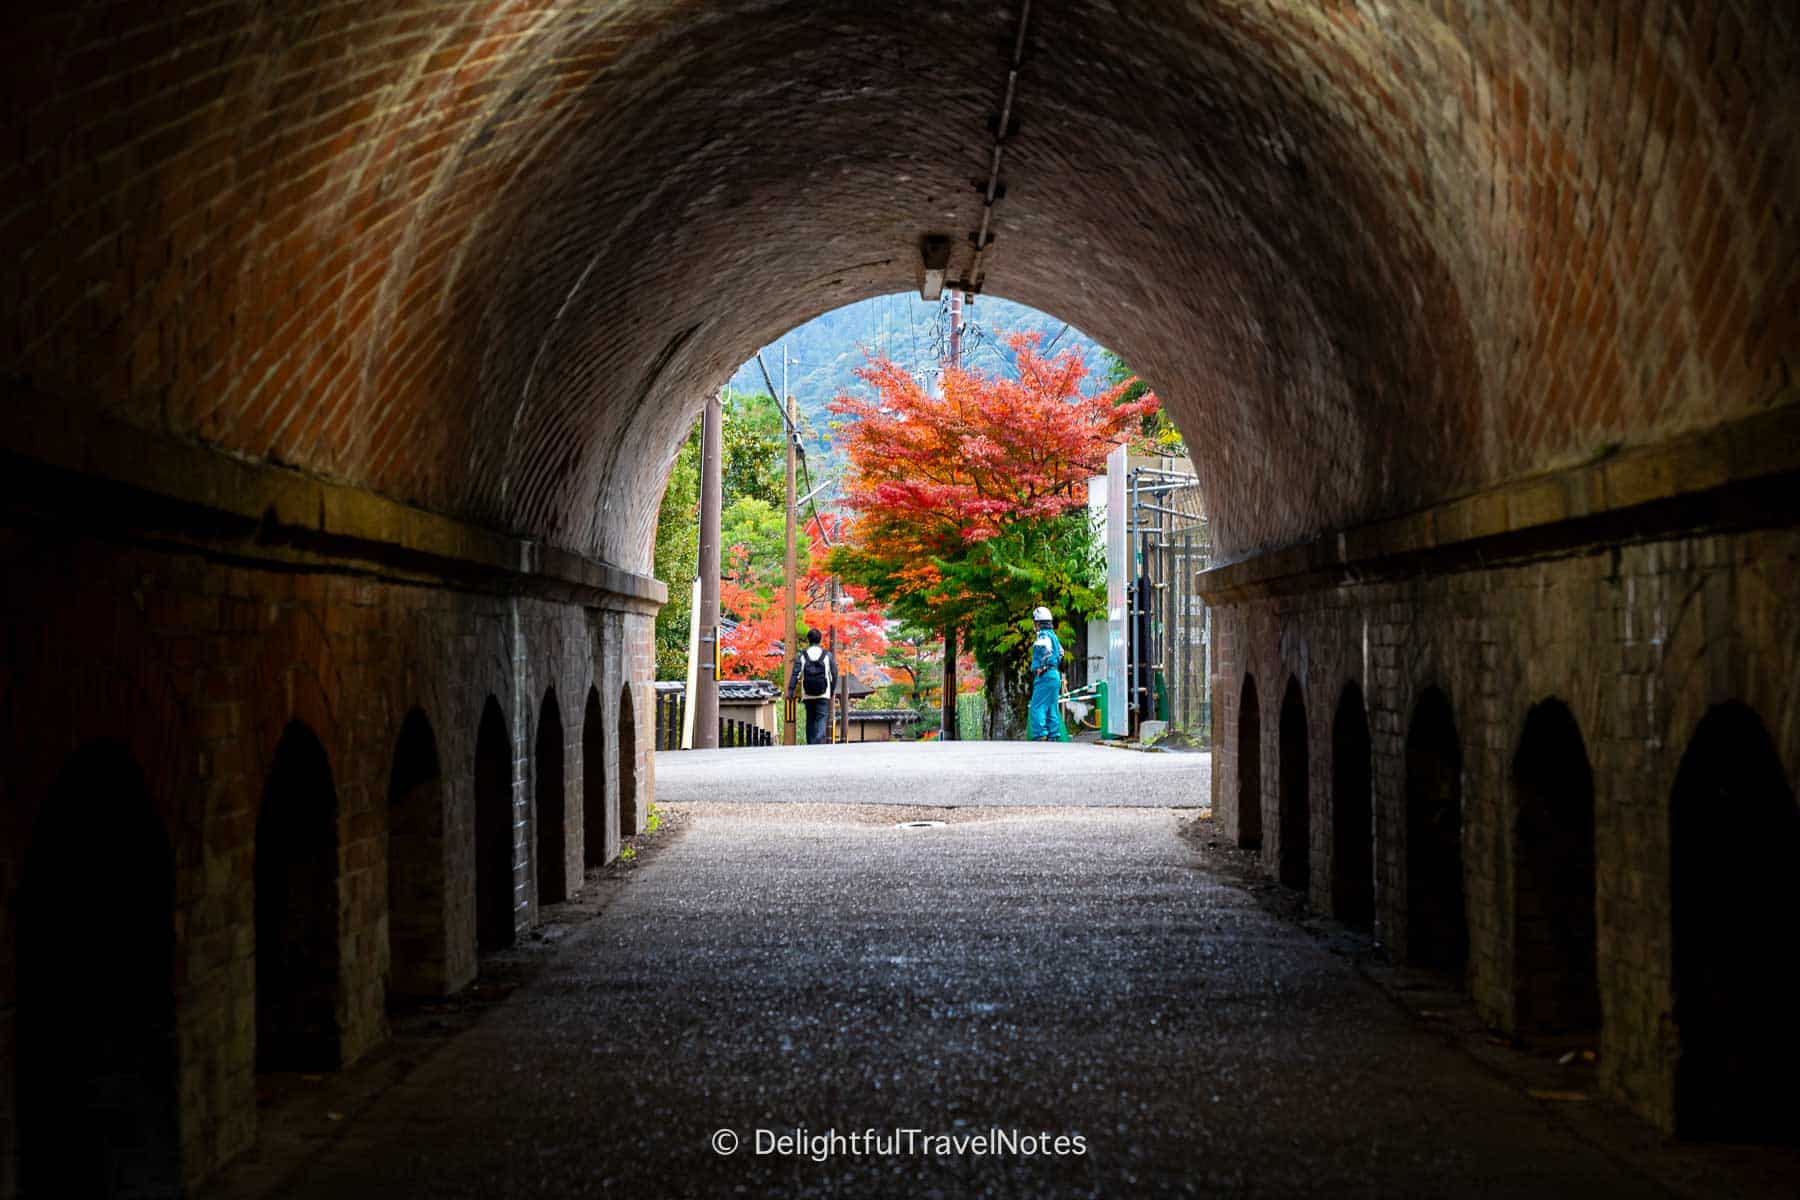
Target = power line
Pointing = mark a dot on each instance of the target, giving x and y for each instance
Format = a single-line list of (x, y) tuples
[(799, 447)]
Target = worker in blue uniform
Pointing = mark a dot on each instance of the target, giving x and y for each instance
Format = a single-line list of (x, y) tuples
[(1046, 678)]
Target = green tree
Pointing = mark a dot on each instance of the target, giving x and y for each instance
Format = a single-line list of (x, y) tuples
[(754, 477), (989, 591), (1055, 561), (755, 463), (970, 507), (753, 538), (677, 552), (1156, 426)]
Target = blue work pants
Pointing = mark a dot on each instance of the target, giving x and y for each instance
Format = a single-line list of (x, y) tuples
[(1046, 694)]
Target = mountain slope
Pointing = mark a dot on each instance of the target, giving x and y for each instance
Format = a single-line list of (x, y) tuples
[(823, 354)]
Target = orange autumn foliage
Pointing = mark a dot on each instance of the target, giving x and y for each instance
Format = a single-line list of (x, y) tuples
[(759, 646)]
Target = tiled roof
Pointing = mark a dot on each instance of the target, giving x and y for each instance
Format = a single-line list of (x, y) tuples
[(737, 691)]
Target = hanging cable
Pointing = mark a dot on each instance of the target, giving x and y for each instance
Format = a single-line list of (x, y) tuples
[(799, 448), (992, 192)]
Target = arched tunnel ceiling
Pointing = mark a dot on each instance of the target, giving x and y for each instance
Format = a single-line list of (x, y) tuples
[(488, 258)]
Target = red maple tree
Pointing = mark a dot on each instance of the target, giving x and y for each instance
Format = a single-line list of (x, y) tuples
[(758, 647), (931, 475)]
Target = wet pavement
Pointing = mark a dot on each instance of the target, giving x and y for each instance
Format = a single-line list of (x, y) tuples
[(1095, 975)]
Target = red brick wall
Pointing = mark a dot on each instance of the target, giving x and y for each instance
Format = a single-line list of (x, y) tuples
[(196, 667), (487, 258), (1638, 642)]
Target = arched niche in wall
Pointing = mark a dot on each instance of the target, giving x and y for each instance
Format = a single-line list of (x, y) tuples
[(593, 781), (1437, 929), (628, 765), (96, 1084), (297, 910), (1735, 835), (1294, 800), (552, 810), (1555, 964), (417, 930), (495, 877)]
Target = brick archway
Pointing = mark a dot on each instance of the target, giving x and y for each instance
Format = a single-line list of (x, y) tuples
[(496, 884), (1437, 930), (97, 1079), (418, 930), (339, 328), (628, 765), (1555, 928), (297, 910), (552, 803), (426, 303), (593, 781), (1736, 836)]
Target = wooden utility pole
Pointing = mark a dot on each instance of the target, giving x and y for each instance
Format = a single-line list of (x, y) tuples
[(705, 700), (790, 639), (947, 724)]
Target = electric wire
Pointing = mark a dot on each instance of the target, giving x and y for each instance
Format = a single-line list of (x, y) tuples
[(799, 449)]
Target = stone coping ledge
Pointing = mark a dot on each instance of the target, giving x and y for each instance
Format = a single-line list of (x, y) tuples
[(1735, 475), (256, 510)]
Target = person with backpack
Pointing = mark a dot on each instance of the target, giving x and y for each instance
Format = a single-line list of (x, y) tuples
[(1046, 678), (814, 674)]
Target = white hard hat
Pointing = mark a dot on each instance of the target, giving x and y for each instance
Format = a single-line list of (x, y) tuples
[(1040, 613)]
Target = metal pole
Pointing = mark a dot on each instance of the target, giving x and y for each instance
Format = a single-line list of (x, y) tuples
[(790, 637), (843, 687), (1118, 565), (831, 642), (706, 691), (947, 730)]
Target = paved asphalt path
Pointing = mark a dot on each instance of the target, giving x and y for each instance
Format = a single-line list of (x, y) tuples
[(1080, 973), (954, 773)]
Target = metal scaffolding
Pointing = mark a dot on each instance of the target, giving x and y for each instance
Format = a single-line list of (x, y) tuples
[(1170, 638)]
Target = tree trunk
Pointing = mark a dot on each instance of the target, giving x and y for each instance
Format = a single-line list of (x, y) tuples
[(949, 707)]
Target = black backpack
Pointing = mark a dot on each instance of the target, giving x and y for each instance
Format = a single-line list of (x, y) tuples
[(813, 675)]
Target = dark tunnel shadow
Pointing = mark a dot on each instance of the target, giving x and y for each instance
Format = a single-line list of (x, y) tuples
[(97, 1057)]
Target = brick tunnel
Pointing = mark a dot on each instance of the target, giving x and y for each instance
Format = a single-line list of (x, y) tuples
[(347, 348)]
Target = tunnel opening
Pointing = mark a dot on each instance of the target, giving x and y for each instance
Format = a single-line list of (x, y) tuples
[(593, 781), (417, 937), (628, 766), (97, 1080), (495, 883), (1437, 931), (899, 366), (552, 812), (1295, 804), (1735, 834), (297, 909), (1555, 932), (1249, 765), (1352, 813)]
